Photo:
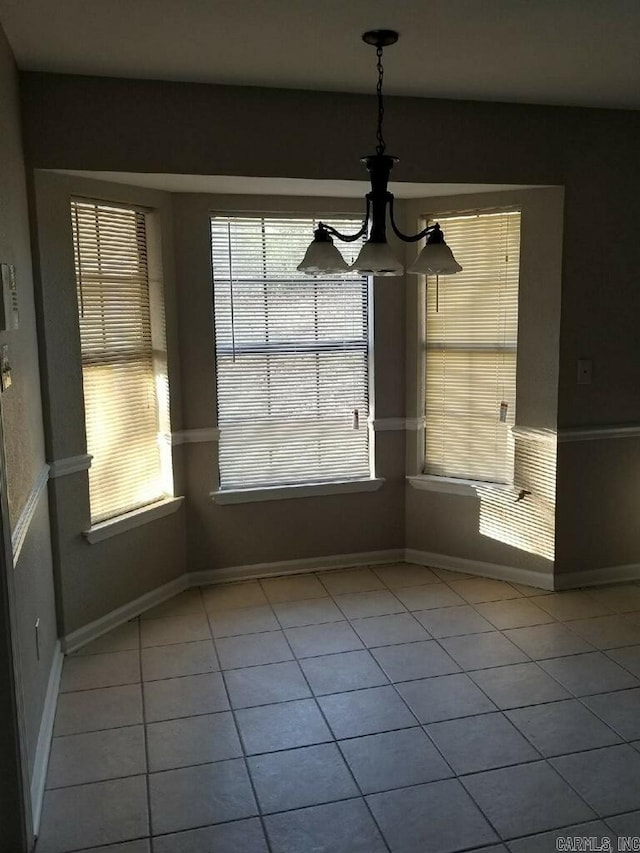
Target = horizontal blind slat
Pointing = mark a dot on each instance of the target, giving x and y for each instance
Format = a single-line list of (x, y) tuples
[(471, 351), (112, 282), (291, 356)]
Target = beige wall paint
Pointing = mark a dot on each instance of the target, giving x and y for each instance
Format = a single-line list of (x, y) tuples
[(31, 578), (232, 535), (598, 504), (148, 126), (94, 579)]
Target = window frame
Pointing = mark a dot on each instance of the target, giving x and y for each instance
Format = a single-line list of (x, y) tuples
[(416, 447), (166, 503), (310, 488)]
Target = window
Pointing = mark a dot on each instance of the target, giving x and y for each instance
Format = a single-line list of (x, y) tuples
[(292, 358), (119, 380), (470, 352)]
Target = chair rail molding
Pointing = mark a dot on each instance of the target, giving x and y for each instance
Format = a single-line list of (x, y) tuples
[(195, 436), (21, 529), (70, 465), (594, 433)]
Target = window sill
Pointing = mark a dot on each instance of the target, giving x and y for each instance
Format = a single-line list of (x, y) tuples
[(130, 520), (451, 485), (305, 490)]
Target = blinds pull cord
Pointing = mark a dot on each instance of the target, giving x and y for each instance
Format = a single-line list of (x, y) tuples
[(80, 287), (233, 330)]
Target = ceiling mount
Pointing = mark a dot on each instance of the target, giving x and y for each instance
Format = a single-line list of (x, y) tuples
[(380, 38)]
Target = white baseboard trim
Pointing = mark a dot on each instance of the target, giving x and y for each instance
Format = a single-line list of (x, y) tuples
[(41, 762), (23, 523), (527, 577), (598, 577), (76, 639), (295, 567)]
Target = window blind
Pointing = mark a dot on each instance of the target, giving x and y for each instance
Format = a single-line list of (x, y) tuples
[(292, 360), (471, 345), (525, 516), (110, 251)]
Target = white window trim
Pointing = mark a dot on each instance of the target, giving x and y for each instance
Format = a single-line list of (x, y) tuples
[(417, 479), (266, 493), (302, 490), (130, 520), (155, 280), (452, 485)]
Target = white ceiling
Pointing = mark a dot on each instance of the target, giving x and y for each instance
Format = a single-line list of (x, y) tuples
[(574, 52)]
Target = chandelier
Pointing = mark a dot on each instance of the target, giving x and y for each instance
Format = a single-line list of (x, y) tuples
[(376, 258)]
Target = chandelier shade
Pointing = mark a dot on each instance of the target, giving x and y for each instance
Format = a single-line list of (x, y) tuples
[(376, 258), (436, 258), (322, 257)]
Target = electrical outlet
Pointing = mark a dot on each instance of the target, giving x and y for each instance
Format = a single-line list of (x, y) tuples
[(584, 371)]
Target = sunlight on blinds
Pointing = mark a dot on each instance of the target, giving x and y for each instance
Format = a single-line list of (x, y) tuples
[(110, 252), (470, 351), (527, 523), (292, 357)]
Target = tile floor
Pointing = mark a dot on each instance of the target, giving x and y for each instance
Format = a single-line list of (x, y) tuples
[(369, 710)]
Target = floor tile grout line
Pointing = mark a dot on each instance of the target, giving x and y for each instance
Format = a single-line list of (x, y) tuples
[(530, 659), (602, 719), (244, 756), (345, 762), (556, 620), (545, 759), (146, 744), (101, 846), (351, 690), (439, 751), (499, 835)]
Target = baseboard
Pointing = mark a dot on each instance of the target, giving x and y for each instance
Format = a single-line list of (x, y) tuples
[(527, 577), (76, 639), (295, 567), (598, 577), (41, 762)]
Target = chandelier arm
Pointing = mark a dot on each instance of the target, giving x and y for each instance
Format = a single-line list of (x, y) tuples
[(406, 238), (348, 238)]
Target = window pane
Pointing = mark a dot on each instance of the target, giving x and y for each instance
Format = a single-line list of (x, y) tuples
[(291, 358), (470, 351), (117, 358)]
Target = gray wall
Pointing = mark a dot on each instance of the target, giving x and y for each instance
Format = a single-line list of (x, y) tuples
[(125, 125), (94, 579), (31, 578), (233, 535)]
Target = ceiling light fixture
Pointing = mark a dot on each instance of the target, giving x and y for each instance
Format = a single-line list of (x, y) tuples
[(376, 258)]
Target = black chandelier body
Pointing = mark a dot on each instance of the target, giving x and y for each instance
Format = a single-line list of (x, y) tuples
[(375, 257)]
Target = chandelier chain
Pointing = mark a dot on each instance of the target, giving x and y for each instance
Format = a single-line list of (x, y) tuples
[(380, 147)]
